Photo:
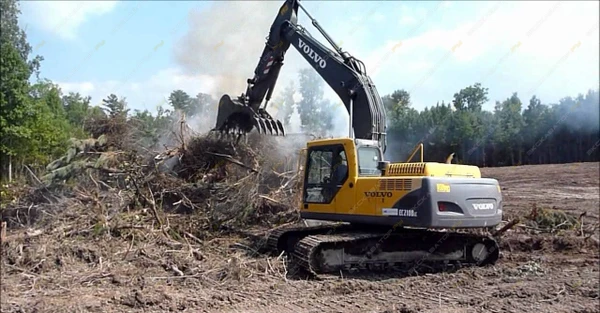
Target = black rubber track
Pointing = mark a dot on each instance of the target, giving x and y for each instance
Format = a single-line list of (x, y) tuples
[(305, 244)]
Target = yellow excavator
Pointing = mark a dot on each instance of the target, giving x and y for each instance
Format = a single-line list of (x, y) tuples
[(389, 214)]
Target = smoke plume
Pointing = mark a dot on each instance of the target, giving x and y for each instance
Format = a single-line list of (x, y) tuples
[(226, 40)]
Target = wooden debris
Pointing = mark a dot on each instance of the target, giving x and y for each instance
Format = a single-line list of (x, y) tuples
[(506, 227)]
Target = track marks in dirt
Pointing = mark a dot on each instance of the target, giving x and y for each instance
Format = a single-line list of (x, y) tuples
[(467, 291)]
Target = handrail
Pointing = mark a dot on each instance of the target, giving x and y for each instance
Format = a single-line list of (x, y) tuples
[(414, 151)]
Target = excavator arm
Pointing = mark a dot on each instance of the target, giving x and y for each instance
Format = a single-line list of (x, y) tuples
[(342, 72)]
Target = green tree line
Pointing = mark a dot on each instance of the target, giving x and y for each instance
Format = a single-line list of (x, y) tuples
[(514, 133), (38, 120)]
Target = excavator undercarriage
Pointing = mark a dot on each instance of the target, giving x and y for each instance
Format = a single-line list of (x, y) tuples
[(331, 248)]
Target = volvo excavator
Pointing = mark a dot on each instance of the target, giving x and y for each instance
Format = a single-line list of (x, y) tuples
[(384, 214)]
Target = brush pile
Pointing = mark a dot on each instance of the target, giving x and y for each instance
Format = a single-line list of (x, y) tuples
[(213, 184)]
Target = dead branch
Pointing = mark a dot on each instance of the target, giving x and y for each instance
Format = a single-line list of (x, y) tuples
[(232, 160), (506, 227), (34, 176), (270, 199), (3, 232), (26, 235)]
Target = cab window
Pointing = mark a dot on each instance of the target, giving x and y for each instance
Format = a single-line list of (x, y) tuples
[(368, 158), (326, 172), (320, 166)]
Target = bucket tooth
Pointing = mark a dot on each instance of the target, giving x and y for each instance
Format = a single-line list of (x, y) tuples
[(280, 127), (274, 127), (268, 125), (262, 126), (256, 124)]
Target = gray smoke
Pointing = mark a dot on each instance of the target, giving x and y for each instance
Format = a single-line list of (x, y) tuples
[(226, 40), (581, 114)]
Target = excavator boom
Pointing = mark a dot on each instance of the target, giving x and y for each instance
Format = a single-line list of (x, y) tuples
[(342, 72)]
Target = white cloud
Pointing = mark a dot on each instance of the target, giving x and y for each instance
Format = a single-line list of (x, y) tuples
[(544, 29), (63, 18), (379, 17), (407, 20), (410, 15), (85, 88), (539, 33)]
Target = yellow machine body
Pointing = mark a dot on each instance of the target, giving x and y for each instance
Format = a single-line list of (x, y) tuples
[(422, 194)]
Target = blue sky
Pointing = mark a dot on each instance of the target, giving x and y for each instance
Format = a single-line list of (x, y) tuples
[(147, 49)]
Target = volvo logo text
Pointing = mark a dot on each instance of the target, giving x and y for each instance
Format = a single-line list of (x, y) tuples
[(373, 194), (483, 206), (312, 54)]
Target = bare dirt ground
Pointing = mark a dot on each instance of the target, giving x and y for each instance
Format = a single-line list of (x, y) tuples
[(544, 267)]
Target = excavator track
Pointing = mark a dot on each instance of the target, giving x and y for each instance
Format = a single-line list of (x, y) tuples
[(321, 253), (285, 239)]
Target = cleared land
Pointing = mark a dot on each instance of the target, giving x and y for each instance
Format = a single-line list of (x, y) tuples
[(549, 263)]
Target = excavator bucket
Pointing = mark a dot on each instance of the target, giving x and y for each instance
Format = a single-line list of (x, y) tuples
[(234, 116)]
